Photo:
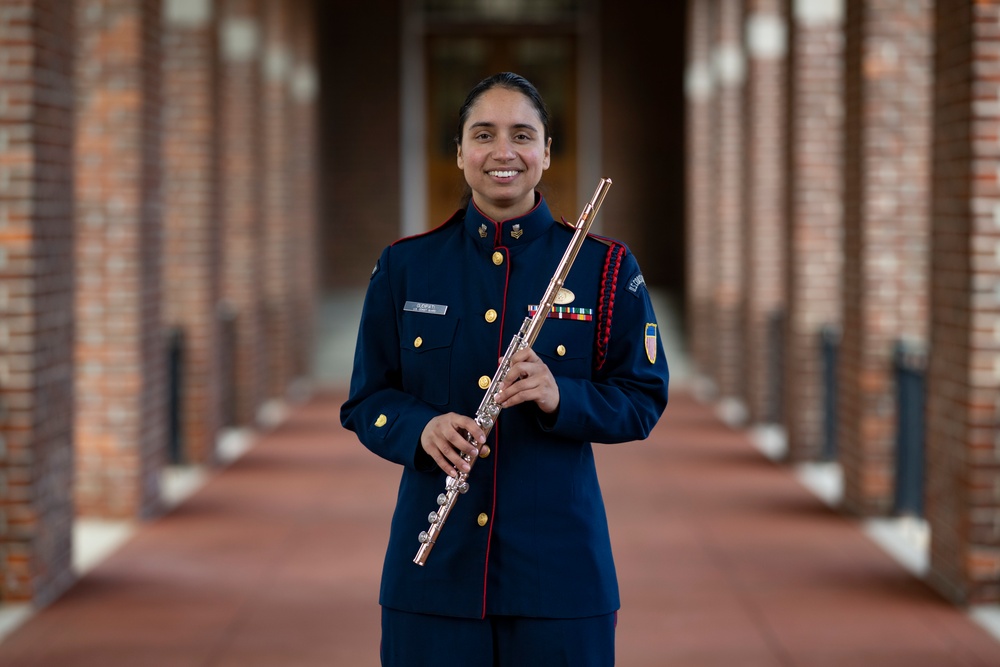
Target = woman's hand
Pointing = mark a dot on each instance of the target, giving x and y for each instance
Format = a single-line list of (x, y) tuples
[(529, 379), (443, 438)]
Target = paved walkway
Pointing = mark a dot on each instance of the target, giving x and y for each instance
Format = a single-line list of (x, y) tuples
[(724, 560)]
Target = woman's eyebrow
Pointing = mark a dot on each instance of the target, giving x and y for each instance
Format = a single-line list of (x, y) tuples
[(516, 126)]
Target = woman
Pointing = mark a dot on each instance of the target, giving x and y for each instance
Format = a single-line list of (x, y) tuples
[(522, 573)]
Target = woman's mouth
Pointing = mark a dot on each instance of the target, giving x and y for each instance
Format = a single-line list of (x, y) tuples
[(505, 173)]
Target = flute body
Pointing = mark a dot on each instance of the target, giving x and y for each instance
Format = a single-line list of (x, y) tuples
[(489, 410)]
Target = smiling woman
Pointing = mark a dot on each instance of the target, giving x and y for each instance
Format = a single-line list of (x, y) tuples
[(440, 309)]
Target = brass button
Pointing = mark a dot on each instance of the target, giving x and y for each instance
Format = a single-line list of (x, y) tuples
[(484, 382), (380, 422), (418, 341), (482, 519), (491, 315), (484, 451), (498, 258), (561, 350)]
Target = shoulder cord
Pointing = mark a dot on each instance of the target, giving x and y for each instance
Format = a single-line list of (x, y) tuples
[(605, 307)]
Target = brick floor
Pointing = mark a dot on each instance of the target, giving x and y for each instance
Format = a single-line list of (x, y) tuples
[(724, 560)]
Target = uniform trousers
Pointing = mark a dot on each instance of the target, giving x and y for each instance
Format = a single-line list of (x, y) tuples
[(423, 640)]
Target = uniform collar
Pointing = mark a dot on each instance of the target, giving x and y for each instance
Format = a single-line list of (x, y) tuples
[(511, 233)]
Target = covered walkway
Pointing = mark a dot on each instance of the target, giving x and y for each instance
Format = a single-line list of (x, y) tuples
[(724, 557)]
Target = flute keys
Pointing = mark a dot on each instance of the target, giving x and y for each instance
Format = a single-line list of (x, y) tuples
[(432, 517), (442, 499), (423, 537)]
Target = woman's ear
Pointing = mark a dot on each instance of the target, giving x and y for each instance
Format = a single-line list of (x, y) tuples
[(458, 158)]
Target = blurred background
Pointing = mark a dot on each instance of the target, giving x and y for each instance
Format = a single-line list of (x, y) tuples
[(193, 194)]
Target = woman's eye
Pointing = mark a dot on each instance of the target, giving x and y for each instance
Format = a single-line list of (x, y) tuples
[(482, 136)]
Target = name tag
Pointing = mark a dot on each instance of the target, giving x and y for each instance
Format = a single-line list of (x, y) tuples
[(421, 307)]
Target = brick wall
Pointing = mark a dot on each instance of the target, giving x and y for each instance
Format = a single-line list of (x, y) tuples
[(192, 248), (120, 419), (699, 89), (302, 174), (729, 62), (240, 150), (887, 154), (36, 299), (276, 269), (963, 412), (763, 258), (813, 180)]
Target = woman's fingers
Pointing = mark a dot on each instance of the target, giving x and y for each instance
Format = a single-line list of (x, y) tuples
[(444, 440)]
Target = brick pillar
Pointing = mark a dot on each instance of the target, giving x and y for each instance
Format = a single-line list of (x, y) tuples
[(814, 224), (729, 62), (963, 411), (121, 356), (242, 220), (276, 271), (700, 133), (36, 299), (763, 258), (887, 160), (303, 173), (192, 256)]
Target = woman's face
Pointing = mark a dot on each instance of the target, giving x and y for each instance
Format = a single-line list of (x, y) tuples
[(503, 153)]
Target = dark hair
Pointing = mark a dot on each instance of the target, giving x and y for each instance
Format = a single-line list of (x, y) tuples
[(510, 81)]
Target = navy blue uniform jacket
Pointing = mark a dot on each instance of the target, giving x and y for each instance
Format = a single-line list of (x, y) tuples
[(440, 311)]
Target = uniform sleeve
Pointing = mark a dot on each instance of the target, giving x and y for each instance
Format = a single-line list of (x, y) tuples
[(386, 420), (626, 396)]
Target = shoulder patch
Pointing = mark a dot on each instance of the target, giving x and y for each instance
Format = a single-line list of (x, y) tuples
[(636, 283)]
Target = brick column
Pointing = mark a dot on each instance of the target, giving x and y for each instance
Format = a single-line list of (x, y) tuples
[(963, 411), (192, 257), (698, 86), (36, 299), (763, 256), (242, 221), (276, 269), (814, 225), (121, 357), (887, 160), (729, 62), (302, 174)]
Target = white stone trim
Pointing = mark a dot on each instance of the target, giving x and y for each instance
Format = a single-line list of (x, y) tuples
[(305, 83), (187, 13), (699, 81), (729, 64), (766, 35), (818, 13), (239, 39), (277, 63)]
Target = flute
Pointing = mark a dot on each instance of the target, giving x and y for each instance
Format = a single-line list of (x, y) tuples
[(488, 411)]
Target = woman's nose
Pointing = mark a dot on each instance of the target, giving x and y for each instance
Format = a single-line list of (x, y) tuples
[(502, 150)]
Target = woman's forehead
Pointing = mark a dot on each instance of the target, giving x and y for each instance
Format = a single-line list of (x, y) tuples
[(504, 106)]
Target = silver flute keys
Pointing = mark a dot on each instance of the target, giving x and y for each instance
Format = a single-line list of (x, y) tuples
[(488, 411)]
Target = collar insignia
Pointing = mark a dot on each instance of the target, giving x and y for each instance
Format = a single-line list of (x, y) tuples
[(482, 231), (516, 232)]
